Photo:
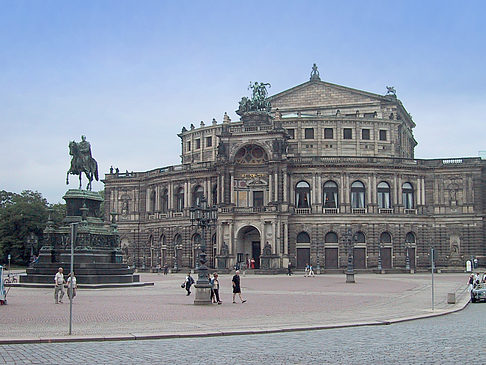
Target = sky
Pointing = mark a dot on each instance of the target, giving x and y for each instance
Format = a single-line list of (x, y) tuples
[(130, 74)]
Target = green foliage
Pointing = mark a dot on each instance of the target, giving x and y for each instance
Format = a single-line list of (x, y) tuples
[(21, 215)]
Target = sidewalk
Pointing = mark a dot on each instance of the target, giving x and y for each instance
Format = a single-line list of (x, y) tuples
[(275, 303)]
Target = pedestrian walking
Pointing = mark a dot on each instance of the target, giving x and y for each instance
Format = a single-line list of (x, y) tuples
[(289, 268), (188, 283), (306, 271), (311, 271), (59, 285), (72, 279), (237, 287), (215, 288), (166, 269)]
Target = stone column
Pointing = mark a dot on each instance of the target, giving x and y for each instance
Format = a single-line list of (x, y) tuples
[(270, 187), (285, 187), (275, 183), (232, 188), (286, 239)]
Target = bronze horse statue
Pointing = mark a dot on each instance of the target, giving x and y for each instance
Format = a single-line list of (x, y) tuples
[(82, 163)]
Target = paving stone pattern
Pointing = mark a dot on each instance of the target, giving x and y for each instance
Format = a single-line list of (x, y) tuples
[(450, 339)]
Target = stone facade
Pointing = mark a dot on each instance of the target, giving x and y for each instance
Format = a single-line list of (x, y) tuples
[(290, 183)]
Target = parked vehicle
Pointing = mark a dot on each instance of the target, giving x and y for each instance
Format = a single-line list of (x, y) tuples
[(478, 293)]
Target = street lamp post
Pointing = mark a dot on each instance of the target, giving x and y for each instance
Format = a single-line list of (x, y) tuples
[(407, 256), (349, 240), (380, 267), (203, 216)]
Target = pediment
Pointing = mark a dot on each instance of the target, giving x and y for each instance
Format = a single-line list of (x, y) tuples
[(322, 94)]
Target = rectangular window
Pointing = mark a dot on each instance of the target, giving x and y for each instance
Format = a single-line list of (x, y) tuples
[(365, 134), (328, 133), (258, 198), (209, 141), (291, 133), (347, 133), (198, 144), (189, 145), (382, 135), (309, 133)]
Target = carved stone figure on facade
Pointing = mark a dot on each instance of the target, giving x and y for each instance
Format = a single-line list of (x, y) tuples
[(267, 249), (221, 150), (82, 161), (224, 249)]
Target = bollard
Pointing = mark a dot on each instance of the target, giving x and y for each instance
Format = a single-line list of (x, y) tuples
[(451, 298)]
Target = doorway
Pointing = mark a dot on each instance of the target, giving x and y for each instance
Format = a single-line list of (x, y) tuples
[(248, 245), (303, 257), (255, 253), (386, 262)]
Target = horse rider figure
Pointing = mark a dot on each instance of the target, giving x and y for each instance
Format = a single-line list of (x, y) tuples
[(82, 161)]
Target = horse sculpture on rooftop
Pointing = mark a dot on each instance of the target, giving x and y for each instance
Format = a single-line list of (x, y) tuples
[(82, 162)]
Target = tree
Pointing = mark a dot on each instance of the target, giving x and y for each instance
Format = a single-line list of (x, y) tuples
[(21, 215)]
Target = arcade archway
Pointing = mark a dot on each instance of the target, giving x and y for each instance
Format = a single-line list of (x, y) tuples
[(248, 246)]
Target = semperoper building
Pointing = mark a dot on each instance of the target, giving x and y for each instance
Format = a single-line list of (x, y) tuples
[(290, 181)]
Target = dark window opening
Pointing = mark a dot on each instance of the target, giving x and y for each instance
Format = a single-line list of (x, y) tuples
[(309, 133), (328, 133), (365, 134), (347, 133)]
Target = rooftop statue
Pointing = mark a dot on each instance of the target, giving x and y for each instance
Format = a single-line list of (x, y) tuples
[(82, 161), (258, 101), (390, 90), (314, 76)]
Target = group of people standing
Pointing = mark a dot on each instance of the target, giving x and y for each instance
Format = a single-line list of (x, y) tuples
[(475, 279), (60, 283), (215, 286)]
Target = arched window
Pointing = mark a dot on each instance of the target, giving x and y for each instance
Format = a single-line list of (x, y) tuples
[(410, 238), (385, 237), (330, 195), (164, 201), (214, 194), (357, 195), (251, 154), (197, 195), (179, 199), (303, 237), (302, 195), (162, 240), (360, 237), (331, 237), (384, 195), (407, 196)]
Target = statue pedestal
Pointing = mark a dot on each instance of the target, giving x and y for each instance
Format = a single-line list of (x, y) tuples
[(269, 261), (97, 254), (203, 294)]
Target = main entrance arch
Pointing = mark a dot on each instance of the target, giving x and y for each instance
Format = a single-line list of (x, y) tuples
[(248, 245)]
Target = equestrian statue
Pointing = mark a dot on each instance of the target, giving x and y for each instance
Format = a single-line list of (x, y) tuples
[(82, 162)]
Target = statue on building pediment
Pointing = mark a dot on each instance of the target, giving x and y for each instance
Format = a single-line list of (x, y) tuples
[(258, 101), (390, 90), (314, 76)]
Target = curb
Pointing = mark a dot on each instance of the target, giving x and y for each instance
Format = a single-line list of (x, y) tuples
[(139, 337)]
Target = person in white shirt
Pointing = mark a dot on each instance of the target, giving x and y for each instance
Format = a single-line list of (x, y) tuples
[(59, 285), (75, 286)]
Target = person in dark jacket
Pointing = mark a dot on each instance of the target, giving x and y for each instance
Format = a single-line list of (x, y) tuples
[(189, 281), (236, 286)]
